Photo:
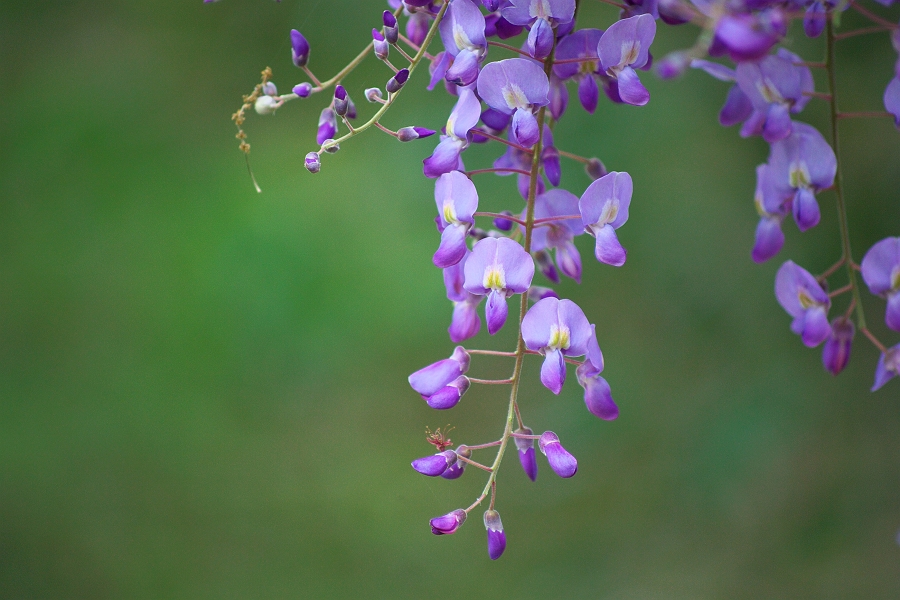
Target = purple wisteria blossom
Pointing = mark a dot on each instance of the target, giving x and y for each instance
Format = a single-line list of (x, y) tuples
[(881, 272), (542, 16), (449, 523), (581, 45), (802, 164), (435, 464), (527, 457), (496, 539), (743, 37), (737, 107), (775, 86), (770, 204), (465, 322), (803, 298), (623, 48), (498, 268), (562, 463), (457, 201), (604, 208), (327, 125), (836, 351), (455, 470), (597, 394), (465, 116), (516, 86), (462, 32), (299, 48), (888, 367), (556, 329), (441, 384), (558, 234)]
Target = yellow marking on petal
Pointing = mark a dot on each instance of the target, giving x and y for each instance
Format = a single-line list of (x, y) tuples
[(610, 212), (895, 278), (559, 337), (799, 175), (630, 51), (758, 201), (450, 213), (494, 278), (514, 96), (540, 9), (587, 67), (768, 91), (806, 301), (461, 39)]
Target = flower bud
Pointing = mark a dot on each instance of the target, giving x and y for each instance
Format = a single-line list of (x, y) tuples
[(408, 134), (836, 352), (537, 292), (545, 264), (396, 82), (299, 48), (351, 109), (373, 94), (595, 169), (448, 523), (327, 125), (380, 45), (503, 224), (562, 463), (340, 100), (673, 65), (391, 31), (449, 395), (269, 89), (303, 90), (431, 379), (330, 146), (266, 105), (455, 470), (312, 162), (526, 452), (496, 539), (436, 464)]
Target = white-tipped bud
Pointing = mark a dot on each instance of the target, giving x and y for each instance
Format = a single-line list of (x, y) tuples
[(266, 105), (373, 94), (330, 146)]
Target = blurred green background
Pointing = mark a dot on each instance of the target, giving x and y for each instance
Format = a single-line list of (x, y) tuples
[(204, 389)]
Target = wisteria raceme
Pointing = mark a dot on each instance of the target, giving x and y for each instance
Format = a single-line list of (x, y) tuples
[(514, 95)]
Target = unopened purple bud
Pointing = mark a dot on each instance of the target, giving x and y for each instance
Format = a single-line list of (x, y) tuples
[(595, 168), (526, 453), (503, 224), (299, 48), (303, 90), (380, 45), (673, 65), (448, 523), (496, 539), (330, 146), (327, 125), (449, 395), (455, 470), (373, 94), (391, 31), (340, 100), (396, 82), (836, 352), (408, 134), (536, 293), (269, 89), (436, 464), (312, 162), (545, 264), (562, 463), (351, 109)]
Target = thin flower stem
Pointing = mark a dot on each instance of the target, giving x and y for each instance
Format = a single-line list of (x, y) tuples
[(508, 47), (491, 136), (821, 95), (611, 3), (324, 85), (473, 463), (850, 309), (518, 414), (491, 352), (551, 219), (873, 339), (832, 269), (312, 76), (413, 45), (871, 16), (493, 494), (580, 159), (847, 252), (524, 436), (864, 115), (811, 65), (483, 446), (566, 61), (863, 31), (499, 216), (403, 52), (571, 361), (385, 129), (347, 123), (477, 502), (496, 170), (393, 97), (390, 65), (839, 291), (491, 381)]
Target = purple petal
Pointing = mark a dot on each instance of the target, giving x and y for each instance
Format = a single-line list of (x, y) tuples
[(881, 266), (449, 395), (496, 538), (778, 123), (452, 248), (444, 159), (806, 209), (465, 115), (588, 93), (815, 327), (550, 162), (559, 97), (892, 312), (448, 523), (631, 90), (598, 399), (537, 322), (720, 72), (430, 379), (462, 28), (814, 19), (581, 44), (513, 83), (553, 371), (606, 201), (464, 69), (836, 351), (797, 290), (436, 464), (562, 463), (569, 261), (803, 155), (608, 250), (525, 127), (540, 39), (465, 322), (495, 311), (769, 239), (892, 99), (456, 198), (626, 43)]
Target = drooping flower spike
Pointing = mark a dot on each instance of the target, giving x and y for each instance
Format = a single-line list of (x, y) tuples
[(516, 86), (498, 268), (881, 272), (623, 48), (604, 208), (457, 201), (556, 329), (803, 298)]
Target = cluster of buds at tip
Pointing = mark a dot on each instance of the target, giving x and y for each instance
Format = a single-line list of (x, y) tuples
[(396, 82)]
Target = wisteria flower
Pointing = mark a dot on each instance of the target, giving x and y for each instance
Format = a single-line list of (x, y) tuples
[(743, 37), (737, 107), (803, 298), (465, 116), (515, 86), (465, 322), (604, 208), (496, 539), (802, 164), (462, 32), (556, 329), (525, 448), (449, 523), (836, 351), (498, 268), (581, 45), (562, 463), (442, 384), (435, 464), (775, 86), (623, 48), (597, 393), (770, 204), (888, 367), (558, 234), (457, 201), (881, 272), (542, 16)]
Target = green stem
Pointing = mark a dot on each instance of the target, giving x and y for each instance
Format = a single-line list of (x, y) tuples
[(846, 251)]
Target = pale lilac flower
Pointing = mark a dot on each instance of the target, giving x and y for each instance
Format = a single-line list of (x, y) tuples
[(431, 379), (737, 105), (623, 48), (465, 322), (515, 86), (604, 208), (464, 117), (312, 162), (436, 464), (448, 523), (496, 539), (462, 32), (556, 329), (527, 457), (562, 463), (408, 134), (581, 44), (743, 36), (597, 394), (498, 268), (542, 16), (836, 351), (803, 298), (888, 367), (881, 272), (457, 201), (770, 204), (558, 234), (775, 86)]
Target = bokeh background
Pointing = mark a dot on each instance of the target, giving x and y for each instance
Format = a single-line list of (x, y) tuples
[(204, 389)]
